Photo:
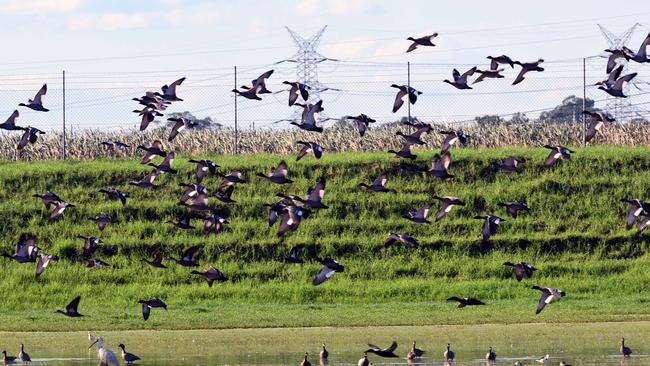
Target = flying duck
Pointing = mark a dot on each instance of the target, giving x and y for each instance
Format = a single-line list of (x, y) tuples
[(297, 88), (383, 352), (204, 167), (488, 74), (146, 181), (404, 152), (180, 124), (147, 305), (414, 353), (490, 224), (557, 152), (169, 91), (452, 138), (421, 41), (224, 195), (460, 81), (614, 56), (157, 261), (294, 255), (625, 350), (641, 56), (166, 165), (49, 198), (309, 147), (156, 149), (449, 354), (378, 185), (191, 191), (465, 301), (278, 175), (495, 61), (248, 93), (447, 203), (521, 269), (71, 308), (129, 358), (314, 198), (102, 219), (29, 136), (309, 117), (91, 243), (416, 137), (513, 208), (211, 274), (330, 266), (597, 122), (260, 83), (440, 165), (418, 215), (94, 262), (188, 257), (114, 194), (548, 294), (182, 222), (637, 208), (148, 114), (231, 178), (510, 164), (37, 103), (117, 147), (615, 89), (290, 219), (408, 240), (362, 122), (526, 67), (405, 93), (10, 123), (213, 223), (25, 251), (42, 263), (59, 208), (611, 78), (275, 210)]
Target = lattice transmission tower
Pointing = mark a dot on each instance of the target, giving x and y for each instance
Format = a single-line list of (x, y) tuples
[(307, 59), (620, 108)]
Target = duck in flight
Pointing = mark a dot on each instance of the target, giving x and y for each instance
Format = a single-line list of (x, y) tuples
[(495, 61), (394, 238), (169, 91), (297, 89), (378, 185), (147, 305), (278, 175), (465, 301), (460, 80), (548, 294), (404, 94), (211, 274), (388, 352), (421, 41), (527, 67), (10, 123), (521, 269), (71, 310), (37, 103), (362, 122), (598, 120), (447, 203)]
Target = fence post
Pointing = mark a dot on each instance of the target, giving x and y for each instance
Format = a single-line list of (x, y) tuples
[(408, 95), (65, 153), (584, 99), (236, 144)]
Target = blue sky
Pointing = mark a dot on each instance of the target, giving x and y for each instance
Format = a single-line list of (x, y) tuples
[(114, 50)]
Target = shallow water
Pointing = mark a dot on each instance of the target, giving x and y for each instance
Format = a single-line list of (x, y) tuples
[(577, 344)]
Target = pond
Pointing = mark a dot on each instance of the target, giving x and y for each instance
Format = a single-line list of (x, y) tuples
[(577, 344)]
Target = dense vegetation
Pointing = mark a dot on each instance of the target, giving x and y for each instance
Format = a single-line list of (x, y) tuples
[(575, 234)]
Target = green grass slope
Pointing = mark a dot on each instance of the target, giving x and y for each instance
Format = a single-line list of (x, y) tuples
[(575, 234)]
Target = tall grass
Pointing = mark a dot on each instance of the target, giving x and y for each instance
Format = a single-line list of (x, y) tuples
[(86, 144), (575, 234)]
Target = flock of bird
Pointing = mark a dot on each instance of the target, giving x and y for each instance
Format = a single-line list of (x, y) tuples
[(290, 210), (107, 357)]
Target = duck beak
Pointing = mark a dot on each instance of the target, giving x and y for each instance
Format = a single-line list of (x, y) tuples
[(92, 344)]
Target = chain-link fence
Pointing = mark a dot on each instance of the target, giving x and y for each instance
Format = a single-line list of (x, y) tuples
[(102, 100)]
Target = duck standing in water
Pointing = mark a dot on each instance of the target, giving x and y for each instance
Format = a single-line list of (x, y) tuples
[(625, 350)]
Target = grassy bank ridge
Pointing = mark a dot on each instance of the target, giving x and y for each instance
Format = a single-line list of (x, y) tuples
[(575, 234)]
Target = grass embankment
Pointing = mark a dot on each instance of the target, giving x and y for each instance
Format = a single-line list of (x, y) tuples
[(575, 235)]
